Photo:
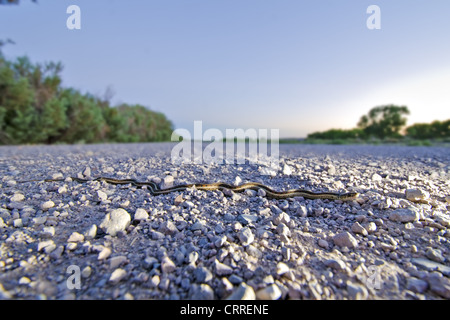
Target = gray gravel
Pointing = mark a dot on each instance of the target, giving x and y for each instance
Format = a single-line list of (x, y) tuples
[(68, 240)]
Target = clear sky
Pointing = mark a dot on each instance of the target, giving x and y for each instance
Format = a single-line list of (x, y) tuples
[(294, 65)]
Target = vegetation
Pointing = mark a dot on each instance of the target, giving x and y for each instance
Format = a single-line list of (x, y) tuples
[(386, 124), (35, 108)]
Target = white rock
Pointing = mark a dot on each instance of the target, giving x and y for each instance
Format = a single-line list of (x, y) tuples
[(140, 214), (76, 237), (357, 228), (101, 196), (242, 292), (167, 265), (17, 197), (116, 221), (117, 275), (47, 205), (416, 194), (246, 236), (282, 268), (376, 177), (271, 292), (287, 170)]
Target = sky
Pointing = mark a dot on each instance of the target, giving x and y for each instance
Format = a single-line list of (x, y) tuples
[(298, 66)]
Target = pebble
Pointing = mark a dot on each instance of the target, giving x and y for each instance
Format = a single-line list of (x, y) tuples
[(404, 215), (357, 228), (416, 194), (76, 237), (323, 244), (117, 275), (167, 265), (47, 205), (242, 292), (201, 292), (17, 197), (434, 254), (376, 177), (116, 221), (271, 292), (416, 285), (101, 196), (345, 239), (222, 269), (246, 236), (439, 285)]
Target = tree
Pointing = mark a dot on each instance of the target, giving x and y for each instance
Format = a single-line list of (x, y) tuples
[(384, 121), (436, 129)]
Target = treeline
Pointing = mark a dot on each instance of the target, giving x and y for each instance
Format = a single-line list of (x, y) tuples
[(387, 122), (35, 109)]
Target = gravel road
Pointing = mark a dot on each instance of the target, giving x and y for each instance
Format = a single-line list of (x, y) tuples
[(71, 240)]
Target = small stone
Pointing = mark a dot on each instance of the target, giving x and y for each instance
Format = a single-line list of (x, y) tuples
[(86, 272), (117, 275), (281, 268), (323, 243), (345, 239), (47, 205), (356, 291), (336, 264), (431, 266), (116, 261), (404, 215), (242, 292), (117, 220), (271, 292), (17, 197), (434, 254), (287, 170), (222, 269), (76, 237), (283, 217), (18, 223), (376, 177), (202, 274), (104, 253), (167, 182), (246, 236), (357, 228), (48, 232), (178, 200), (101, 196), (371, 227), (331, 169), (43, 244), (416, 194), (91, 233), (168, 228), (167, 265)]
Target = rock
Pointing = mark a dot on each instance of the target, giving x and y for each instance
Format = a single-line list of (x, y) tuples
[(287, 170), (178, 200), (104, 253), (302, 211), (434, 254), (404, 215), (17, 197), (323, 243), (331, 170), (356, 291), (76, 237), (222, 269), (376, 177), (201, 292), (47, 205), (246, 236), (416, 195), (357, 228), (439, 285), (168, 228), (431, 266), (345, 239), (117, 275), (416, 285), (271, 292), (48, 232), (336, 264), (101, 196), (202, 274), (167, 265), (117, 220), (116, 261), (91, 233), (242, 292), (281, 268), (282, 217), (167, 182)]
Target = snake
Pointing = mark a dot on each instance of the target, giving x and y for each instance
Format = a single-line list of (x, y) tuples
[(155, 190)]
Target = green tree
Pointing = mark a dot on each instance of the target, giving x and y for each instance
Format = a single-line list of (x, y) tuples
[(384, 121), (436, 129)]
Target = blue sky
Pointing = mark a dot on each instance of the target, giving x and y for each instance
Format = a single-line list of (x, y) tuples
[(293, 65)]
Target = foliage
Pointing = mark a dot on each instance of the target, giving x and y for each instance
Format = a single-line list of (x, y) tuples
[(384, 121), (35, 108), (337, 134), (436, 129)]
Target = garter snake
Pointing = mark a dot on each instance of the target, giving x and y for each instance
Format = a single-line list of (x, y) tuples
[(270, 193)]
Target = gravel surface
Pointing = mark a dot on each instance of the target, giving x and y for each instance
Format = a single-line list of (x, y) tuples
[(70, 240)]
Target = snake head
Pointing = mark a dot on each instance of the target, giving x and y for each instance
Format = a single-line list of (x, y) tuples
[(348, 196)]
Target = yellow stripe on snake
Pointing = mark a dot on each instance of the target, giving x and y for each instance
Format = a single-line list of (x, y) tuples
[(270, 193)]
